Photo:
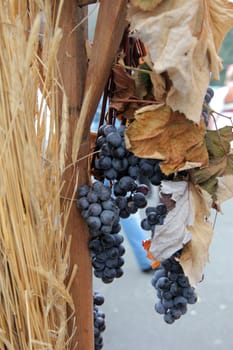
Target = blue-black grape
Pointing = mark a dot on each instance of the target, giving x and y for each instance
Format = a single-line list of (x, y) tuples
[(173, 290), (106, 253), (99, 320)]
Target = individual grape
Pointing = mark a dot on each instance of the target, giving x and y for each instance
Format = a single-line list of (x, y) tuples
[(83, 190), (153, 218), (167, 295), (114, 139), (146, 168), (179, 300), (100, 141), (176, 312), (118, 191), (140, 200), (159, 272), (98, 298), (101, 257), (95, 246), (106, 150), (183, 281), (119, 272), (134, 171), (118, 239), (168, 318), (132, 207), (116, 228), (120, 165), (94, 209), (127, 183), (121, 202), (106, 229), (146, 225), (92, 197), (142, 188), (118, 152), (112, 252), (163, 283), (93, 222), (159, 307), (168, 304), (82, 203), (105, 163), (192, 299), (124, 213), (107, 217), (107, 129)]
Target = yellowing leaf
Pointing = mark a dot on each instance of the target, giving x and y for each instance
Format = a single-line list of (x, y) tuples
[(146, 5), (183, 39), (196, 253), (160, 133), (212, 178)]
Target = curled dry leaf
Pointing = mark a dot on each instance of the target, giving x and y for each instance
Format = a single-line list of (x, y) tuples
[(159, 133), (183, 39), (173, 234), (196, 253)]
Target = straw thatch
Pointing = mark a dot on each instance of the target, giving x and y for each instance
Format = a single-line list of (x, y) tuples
[(33, 252)]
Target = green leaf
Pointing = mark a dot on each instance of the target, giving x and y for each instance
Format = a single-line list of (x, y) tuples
[(218, 141)]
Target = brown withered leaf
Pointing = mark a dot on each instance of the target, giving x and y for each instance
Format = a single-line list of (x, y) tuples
[(195, 254), (124, 88), (183, 40), (160, 133), (146, 5)]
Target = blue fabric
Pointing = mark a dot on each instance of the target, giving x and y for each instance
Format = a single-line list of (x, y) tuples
[(135, 235)]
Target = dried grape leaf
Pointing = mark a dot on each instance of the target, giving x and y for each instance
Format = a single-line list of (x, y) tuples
[(196, 253), (183, 39), (224, 189), (125, 88), (146, 5), (220, 165), (173, 234), (159, 133), (218, 141)]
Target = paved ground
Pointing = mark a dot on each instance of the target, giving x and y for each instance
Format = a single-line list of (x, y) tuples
[(132, 323)]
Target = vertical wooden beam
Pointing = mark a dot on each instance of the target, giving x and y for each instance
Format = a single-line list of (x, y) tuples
[(72, 65)]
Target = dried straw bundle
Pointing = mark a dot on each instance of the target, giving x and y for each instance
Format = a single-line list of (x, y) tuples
[(33, 257)]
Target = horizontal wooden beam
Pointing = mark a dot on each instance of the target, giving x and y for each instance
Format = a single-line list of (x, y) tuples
[(86, 2)]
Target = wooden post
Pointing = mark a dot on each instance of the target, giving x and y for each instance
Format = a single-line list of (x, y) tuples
[(72, 65)]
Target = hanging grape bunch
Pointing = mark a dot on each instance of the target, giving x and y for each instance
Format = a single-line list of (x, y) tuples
[(99, 320), (173, 290)]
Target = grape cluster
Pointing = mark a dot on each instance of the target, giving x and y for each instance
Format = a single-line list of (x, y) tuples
[(154, 216), (114, 161), (99, 320), (173, 290), (129, 196), (107, 251), (99, 209), (208, 97)]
